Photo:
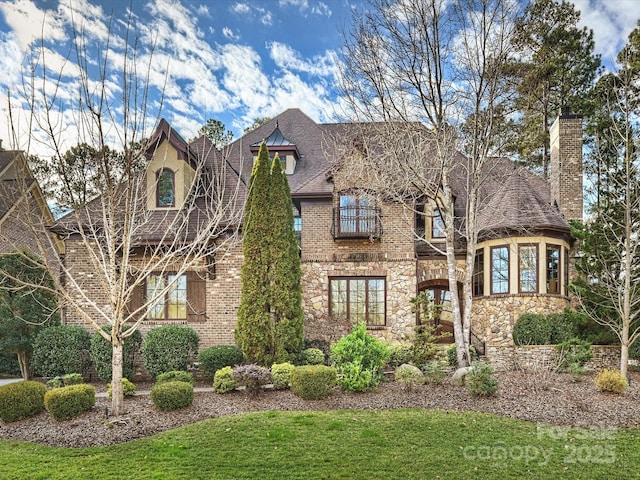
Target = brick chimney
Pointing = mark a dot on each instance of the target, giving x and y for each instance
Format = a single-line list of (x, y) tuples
[(566, 165)]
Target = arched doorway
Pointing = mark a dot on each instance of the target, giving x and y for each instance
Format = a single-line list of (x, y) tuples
[(438, 291)]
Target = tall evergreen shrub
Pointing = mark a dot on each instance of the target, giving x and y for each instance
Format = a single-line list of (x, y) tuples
[(270, 320)]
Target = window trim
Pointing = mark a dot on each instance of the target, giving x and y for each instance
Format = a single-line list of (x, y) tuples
[(478, 275), (536, 268), (159, 174), (491, 269), (565, 273), (437, 216), (166, 299), (348, 279), (559, 267)]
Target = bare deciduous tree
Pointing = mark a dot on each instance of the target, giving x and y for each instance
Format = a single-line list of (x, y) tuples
[(430, 75), (607, 288), (123, 238)]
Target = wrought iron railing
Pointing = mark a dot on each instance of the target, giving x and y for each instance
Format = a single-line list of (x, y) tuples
[(356, 222)]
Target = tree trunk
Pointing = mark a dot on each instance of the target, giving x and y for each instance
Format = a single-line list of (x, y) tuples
[(624, 359), (117, 394), (25, 368)]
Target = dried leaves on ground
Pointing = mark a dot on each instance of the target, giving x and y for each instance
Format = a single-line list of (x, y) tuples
[(548, 398)]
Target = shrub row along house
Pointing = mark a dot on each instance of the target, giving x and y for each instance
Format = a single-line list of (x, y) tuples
[(364, 256)]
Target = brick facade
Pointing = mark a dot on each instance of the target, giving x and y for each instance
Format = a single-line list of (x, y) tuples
[(392, 255)]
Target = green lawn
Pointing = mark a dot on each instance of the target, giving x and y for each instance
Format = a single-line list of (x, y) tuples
[(401, 444)]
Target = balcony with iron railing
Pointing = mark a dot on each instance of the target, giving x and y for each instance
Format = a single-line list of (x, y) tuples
[(360, 222)]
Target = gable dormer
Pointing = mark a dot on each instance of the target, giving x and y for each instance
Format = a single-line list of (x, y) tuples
[(277, 143), (171, 169)]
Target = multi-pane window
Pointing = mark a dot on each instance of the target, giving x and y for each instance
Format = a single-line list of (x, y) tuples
[(566, 270), (357, 215), (437, 225), (165, 189), (172, 304), (553, 269), (528, 268), (478, 273), (500, 269), (358, 299)]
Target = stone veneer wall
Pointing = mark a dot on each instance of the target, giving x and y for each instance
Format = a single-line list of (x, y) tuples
[(544, 357), (401, 287), (493, 318)]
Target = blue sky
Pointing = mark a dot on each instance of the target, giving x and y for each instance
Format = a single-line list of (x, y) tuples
[(233, 60)]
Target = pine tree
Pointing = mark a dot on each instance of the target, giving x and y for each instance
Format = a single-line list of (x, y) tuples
[(285, 273), (558, 69), (255, 333)]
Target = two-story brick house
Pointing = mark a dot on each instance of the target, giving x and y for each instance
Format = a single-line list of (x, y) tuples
[(360, 257)]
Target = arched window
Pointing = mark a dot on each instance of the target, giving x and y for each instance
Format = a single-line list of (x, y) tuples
[(165, 189)]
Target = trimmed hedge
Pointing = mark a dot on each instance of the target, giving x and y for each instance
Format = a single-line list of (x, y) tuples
[(21, 400), (169, 348), (172, 395), (102, 352), (223, 381), (539, 329), (281, 375), (313, 382), (214, 358), (68, 402), (60, 350), (312, 356), (176, 376)]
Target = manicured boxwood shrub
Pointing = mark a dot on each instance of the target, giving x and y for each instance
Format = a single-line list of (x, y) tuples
[(21, 400), (176, 376), (223, 380), (281, 375), (69, 402), (312, 356), (172, 395), (168, 348), (62, 349), (101, 353), (252, 377), (128, 388), (214, 358), (313, 382)]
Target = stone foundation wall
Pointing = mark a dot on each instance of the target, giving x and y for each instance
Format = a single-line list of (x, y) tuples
[(545, 357), (493, 317)]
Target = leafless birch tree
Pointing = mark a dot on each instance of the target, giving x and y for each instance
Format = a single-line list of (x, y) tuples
[(123, 241), (430, 73)]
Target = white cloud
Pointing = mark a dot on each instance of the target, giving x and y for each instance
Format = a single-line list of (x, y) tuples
[(29, 23), (287, 58), (228, 33), (241, 8), (611, 21), (203, 10), (322, 9)]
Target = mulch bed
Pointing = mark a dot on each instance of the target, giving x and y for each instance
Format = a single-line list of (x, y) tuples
[(544, 397)]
